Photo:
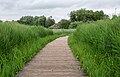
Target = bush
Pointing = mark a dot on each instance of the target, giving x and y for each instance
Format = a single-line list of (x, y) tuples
[(64, 24), (18, 44), (97, 46), (74, 25)]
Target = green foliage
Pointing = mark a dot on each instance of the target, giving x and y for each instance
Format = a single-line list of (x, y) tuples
[(12, 34), (64, 24), (73, 16), (40, 20), (63, 31), (37, 20), (28, 20), (114, 16), (97, 46), (18, 44), (74, 25), (49, 22), (87, 15), (1, 21)]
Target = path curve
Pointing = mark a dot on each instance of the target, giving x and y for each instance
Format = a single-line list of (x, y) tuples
[(54, 60)]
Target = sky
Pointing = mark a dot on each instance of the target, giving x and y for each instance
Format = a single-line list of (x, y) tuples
[(58, 9)]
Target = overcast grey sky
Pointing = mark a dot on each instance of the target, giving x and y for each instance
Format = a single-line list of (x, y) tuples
[(59, 9)]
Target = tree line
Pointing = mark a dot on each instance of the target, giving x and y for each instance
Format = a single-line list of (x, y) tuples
[(37, 20), (76, 17), (82, 16), (87, 15)]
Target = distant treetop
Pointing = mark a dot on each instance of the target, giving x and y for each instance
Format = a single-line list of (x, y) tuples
[(87, 15)]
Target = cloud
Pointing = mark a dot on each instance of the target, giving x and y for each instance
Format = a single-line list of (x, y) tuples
[(104, 4), (46, 4), (13, 9), (7, 4)]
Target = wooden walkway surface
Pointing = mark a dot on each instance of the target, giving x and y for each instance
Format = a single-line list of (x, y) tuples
[(54, 60)]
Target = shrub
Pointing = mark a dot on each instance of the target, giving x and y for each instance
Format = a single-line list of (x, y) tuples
[(64, 24), (18, 44), (74, 25), (97, 46)]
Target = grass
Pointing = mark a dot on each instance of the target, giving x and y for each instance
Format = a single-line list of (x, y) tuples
[(18, 44), (63, 31), (97, 46)]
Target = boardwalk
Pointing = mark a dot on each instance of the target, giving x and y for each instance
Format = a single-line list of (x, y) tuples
[(54, 60)]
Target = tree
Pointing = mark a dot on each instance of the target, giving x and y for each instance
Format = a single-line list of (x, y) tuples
[(87, 15), (114, 16), (49, 22), (106, 17), (99, 15), (64, 24), (73, 25), (28, 20), (42, 20), (73, 16), (36, 22), (1, 21)]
